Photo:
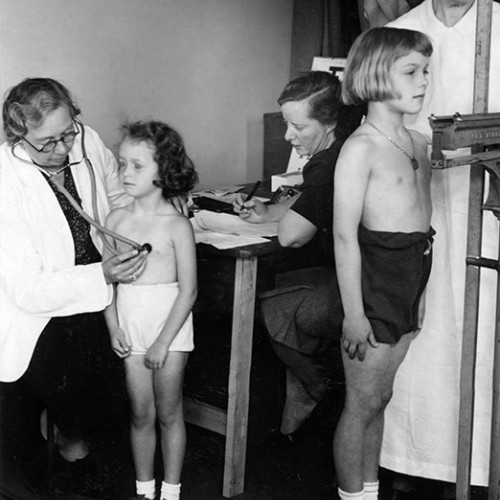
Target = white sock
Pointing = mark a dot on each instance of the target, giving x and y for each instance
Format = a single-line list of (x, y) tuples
[(147, 488), (170, 491), (360, 495), (371, 491)]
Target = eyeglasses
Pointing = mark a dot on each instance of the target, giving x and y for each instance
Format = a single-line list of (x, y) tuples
[(66, 138)]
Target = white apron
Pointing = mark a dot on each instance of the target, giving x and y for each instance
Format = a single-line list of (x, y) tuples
[(421, 421)]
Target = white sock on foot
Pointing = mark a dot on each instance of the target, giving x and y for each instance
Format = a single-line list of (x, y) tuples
[(147, 488), (170, 491), (360, 495)]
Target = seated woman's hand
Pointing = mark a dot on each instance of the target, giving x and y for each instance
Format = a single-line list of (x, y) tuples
[(125, 267), (180, 203), (253, 210)]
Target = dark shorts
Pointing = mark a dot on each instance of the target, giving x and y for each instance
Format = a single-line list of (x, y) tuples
[(395, 271)]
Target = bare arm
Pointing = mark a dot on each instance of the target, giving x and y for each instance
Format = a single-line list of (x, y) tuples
[(295, 231), (185, 257), (351, 182), (256, 212), (120, 343)]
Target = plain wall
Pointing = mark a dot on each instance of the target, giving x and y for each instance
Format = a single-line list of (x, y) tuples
[(210, 68)]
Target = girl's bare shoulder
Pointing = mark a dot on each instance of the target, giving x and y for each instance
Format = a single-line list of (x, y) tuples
[(117, 214), (418, 137), (175, 221), (358, 147)]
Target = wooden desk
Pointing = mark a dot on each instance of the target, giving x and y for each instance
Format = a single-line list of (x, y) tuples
[(233, 422)]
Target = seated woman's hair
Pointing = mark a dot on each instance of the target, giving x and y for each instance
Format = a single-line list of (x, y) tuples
[(321, 89), (367, 71), (29, 102), (176, 173)]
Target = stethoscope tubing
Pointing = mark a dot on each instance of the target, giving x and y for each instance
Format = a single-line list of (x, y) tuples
[(102, 230)]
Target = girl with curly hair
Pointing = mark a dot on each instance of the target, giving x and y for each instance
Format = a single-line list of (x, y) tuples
[(150, 319)]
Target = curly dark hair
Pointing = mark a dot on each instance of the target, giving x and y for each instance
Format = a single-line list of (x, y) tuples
[(176, 172)]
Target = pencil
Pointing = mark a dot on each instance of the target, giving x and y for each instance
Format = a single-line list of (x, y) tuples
[(251, 194)]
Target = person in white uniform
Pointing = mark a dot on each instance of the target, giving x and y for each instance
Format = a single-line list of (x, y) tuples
[(421, 421), (53, 283)]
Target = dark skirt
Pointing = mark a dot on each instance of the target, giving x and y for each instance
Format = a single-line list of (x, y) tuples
[(304, 311), (75, 374)]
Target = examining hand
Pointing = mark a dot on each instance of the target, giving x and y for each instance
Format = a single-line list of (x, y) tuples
[(124, 267), (253, 211), (357, 333), (180, 203)]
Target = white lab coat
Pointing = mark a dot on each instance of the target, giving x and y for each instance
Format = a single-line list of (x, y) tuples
[(421, 421), (38, 278)]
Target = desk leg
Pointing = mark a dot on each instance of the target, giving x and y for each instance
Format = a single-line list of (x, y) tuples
[(239, 376)]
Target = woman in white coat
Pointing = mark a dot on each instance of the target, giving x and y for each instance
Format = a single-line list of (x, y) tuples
[(53, 284)]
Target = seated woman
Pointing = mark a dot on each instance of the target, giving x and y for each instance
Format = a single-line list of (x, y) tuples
[(303, 314)]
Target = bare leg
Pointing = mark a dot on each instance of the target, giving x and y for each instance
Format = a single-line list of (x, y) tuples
[(168, 384), (143, 419), (357, 440)]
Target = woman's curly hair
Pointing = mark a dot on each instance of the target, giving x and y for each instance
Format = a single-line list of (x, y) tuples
[(176, 172)]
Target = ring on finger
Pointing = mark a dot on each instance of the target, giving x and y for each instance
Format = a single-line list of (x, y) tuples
[(133, 277)]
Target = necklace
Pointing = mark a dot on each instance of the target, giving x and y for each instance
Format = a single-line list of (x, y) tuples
[(412, 158)]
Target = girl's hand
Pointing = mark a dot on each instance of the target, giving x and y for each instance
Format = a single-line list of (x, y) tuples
[(125, 267), (253, 211), (156, 356), (120, 343), (356, 334)]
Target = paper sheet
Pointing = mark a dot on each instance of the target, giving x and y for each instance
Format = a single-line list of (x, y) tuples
[(229, 231)]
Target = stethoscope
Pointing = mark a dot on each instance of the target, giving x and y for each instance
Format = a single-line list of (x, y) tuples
[(103, 232)]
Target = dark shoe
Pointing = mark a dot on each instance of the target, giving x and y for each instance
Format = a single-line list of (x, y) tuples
[(298, 406), (403, 495), (36, 468)]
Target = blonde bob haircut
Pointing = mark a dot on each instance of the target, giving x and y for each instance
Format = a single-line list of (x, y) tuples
[(367, 70)]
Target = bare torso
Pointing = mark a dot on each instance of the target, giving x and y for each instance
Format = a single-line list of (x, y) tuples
[(397, 197), (157, 229)]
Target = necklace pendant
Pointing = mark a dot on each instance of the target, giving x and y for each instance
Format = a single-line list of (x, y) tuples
[(414, 163)]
